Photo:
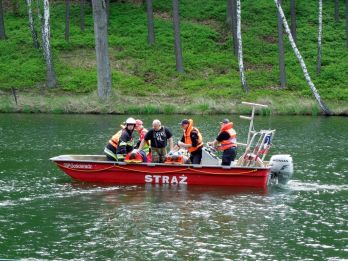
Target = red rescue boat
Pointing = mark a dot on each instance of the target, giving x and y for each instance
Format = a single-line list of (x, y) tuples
[(250, 170), (96, 168)]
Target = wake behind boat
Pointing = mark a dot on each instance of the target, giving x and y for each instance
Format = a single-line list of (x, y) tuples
[(250, 170)]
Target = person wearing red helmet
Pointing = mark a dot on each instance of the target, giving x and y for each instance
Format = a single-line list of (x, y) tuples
[(139, 127)]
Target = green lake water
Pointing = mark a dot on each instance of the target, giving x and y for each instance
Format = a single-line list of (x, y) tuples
[(45, 215)]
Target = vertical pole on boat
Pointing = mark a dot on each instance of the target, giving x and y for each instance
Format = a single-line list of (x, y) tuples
[(251, 119), (251, 126)]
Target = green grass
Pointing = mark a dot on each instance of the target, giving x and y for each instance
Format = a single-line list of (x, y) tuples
[(211, 70)]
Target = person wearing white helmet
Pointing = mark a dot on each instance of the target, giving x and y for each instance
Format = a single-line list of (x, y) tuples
[(122, 142)]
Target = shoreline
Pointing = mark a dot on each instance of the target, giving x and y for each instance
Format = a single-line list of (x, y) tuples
[(57, 102)]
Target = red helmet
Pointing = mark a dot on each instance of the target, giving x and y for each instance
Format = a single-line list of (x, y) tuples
[(138, 123)]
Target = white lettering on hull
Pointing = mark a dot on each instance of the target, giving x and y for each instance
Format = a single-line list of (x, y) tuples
[(77, 166), (157, 179)]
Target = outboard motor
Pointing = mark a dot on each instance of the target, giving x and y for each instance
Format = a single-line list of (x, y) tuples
[(281, 168)]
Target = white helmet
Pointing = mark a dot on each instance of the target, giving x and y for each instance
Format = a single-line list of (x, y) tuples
[(131, 121)]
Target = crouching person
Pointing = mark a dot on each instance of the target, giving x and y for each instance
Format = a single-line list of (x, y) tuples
[(121, 143)]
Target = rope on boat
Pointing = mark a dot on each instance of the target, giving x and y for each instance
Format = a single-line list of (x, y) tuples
[(223, 173), (116, 166), (161, 172)]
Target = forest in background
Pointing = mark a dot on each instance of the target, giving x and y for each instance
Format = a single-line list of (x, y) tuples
[(148, 71)]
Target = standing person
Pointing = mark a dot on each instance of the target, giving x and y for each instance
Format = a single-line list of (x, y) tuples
[(226, 141), (121, 143), (192, 141), (158, 137), (142, 132)]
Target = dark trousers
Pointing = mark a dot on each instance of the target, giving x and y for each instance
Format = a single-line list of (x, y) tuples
[(228, 156), (158, 155), (196, 156)]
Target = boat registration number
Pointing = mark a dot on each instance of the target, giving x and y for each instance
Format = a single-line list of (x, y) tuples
[(166, 179)]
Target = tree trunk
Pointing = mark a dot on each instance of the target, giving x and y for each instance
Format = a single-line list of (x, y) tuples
[(231, 21), (150, 22), (67, 20), (177, 41), (282, 76), (82, 15), (240, 49), (2, 24), (229, 13), (101, 48), (337, 12), (32, 26), (51, 76), (293, 18), (107, 3), (347, 23), (320, 30), (15, 7), (234, 26), (322, 105)]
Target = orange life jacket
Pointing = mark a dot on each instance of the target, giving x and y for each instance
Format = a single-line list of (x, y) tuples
[(232, 140), (115, 139), (187, 137)]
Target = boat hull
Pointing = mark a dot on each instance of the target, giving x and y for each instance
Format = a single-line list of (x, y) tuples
[(89, 170)]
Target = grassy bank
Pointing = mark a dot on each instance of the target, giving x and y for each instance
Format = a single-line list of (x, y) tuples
[(146, 74), (58, 102)]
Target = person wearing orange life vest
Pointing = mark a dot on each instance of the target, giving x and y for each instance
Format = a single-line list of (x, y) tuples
[(226, 141), (121, 143), (192, 141)]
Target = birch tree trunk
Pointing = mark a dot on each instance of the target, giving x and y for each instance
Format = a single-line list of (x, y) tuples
[(101, 48), (282, 76), (320, 30), (82, 15), (293, 18), (51, 75), (2, 24), (322, 105), (150, 23), (337, 12), (32, 26), (177, 40), (67, 20), (240, 49)]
